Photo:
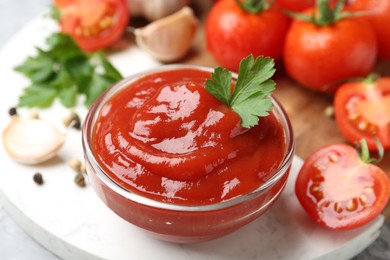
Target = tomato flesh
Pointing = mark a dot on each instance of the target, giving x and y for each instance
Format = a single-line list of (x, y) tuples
[(339, 191), (362, 110), (93, 24)]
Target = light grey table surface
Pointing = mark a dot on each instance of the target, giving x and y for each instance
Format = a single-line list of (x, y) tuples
[(14, 243)]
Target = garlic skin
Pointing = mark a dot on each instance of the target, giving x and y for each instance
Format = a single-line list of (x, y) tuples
[(31, 140), (170, 38), (155, 9)]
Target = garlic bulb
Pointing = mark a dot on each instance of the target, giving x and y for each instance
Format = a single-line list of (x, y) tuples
[(31, 140), (170, 38), (155, 9)]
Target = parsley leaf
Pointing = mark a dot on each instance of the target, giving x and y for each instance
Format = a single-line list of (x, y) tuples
[(97, 85), (218, 88), (68, 96), (111, 71), (65, 72), (37, 96), (251, 96)]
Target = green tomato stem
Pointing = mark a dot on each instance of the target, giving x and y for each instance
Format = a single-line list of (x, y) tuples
[(365, 153), (299, 16), (325, 15), (371, 78), (254, 6)]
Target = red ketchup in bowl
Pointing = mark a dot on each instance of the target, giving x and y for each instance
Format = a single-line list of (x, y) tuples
[(172, 159)]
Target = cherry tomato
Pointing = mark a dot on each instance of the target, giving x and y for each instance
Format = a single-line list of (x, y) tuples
[(295, 5), (378, 15), (318, 56), (362, 110), (93, 24), (232, 33), (340, 191)]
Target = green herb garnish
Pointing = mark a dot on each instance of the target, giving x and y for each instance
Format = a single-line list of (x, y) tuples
[(64, 71), (251, 96)]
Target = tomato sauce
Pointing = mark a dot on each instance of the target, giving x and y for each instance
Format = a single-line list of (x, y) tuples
[(166, 138)]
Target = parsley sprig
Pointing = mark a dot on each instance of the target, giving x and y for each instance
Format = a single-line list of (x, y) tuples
[(64, 71), (251, 96)]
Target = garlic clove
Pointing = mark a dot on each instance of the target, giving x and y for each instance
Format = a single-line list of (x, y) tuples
[(155, 9), (169, 38), (31, 140)]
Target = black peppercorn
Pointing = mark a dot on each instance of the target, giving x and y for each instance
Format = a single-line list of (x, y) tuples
[(38, 179), (73, 120), (12, 111), (79, 180), (76, 124)]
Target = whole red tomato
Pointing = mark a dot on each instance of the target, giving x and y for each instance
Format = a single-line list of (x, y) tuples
[(362, 110), (93, 24), (378, 15), (232, 33), (339, 190), (295, 5), (317, 56)]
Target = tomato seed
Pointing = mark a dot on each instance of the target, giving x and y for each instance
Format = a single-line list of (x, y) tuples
[(352, 205), (362, 125), (324, 204), (105, 22), (363, 199), (353, 116), (333, 158), (337, 207), (318, 177), (314, 188), (316, 192)]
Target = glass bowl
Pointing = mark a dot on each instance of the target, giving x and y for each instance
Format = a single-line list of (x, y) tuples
[(176, 222)]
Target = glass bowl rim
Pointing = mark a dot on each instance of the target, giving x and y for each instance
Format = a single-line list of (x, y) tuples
[(95, 110)]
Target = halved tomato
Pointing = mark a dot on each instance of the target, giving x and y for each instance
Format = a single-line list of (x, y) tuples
[(93, 24), (362, 110), (339, 190)]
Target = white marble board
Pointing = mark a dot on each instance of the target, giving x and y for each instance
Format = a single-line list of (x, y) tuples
[(74, 224)]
